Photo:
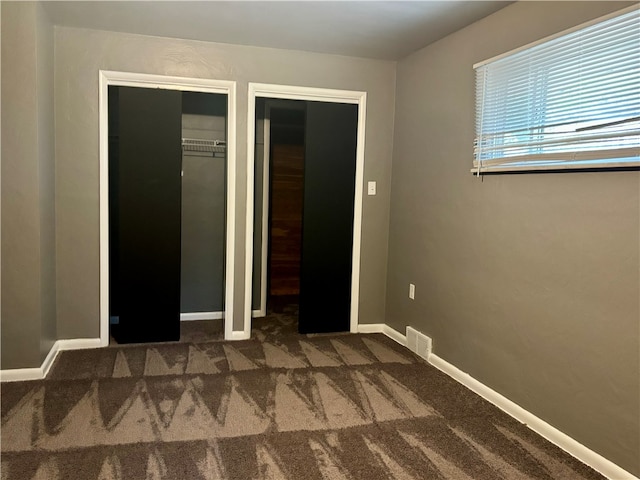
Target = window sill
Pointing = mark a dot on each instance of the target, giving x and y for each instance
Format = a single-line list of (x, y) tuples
[(559, 167)]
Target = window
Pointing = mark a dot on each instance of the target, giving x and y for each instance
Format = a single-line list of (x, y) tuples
[(571, 101)]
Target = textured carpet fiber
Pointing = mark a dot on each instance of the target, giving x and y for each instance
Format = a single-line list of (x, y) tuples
[(282, 406)]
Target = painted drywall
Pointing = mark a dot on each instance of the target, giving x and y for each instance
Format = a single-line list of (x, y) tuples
[(203, 218), (530, 283), (20, 206), (46, 180), (80, 54), (28, 254)]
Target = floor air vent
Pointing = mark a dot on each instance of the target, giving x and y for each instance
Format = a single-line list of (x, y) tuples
[(418, 343)]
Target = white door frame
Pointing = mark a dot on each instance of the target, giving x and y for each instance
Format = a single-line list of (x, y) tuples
[(311, 94), (142, 80)]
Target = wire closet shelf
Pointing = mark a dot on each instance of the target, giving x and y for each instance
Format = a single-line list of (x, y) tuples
[(216, 148)]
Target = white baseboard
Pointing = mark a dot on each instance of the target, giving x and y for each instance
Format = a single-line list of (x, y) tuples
[(239, 335), (78, 343), (542, 428), (50, 358), (259, 313), (370, 328), (186, 317), (383, 328), (38, 373), (21, 374), (395, 335)]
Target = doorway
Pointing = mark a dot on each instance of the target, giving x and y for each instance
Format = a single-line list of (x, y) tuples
[(280, 153), (167, 162), (332, 203), (178, 85)]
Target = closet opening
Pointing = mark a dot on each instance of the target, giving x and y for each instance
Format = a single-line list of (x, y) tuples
[(303, 215), (167, 196), (280, 140)]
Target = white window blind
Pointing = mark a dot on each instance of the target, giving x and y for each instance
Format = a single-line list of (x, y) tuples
[(569, 102)]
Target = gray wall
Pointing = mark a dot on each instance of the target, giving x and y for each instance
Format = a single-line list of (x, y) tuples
[(81, 53), (46, 181), (530, 283), (203, 219), (28, 214)]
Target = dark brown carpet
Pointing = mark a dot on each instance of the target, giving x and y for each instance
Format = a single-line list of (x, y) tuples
[(279, 406)]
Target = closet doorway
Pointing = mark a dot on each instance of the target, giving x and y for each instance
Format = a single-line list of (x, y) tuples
[(166, 204), (167, 210), (280, 154), (308, 186)]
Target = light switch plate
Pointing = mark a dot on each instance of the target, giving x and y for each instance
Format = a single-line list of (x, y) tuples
[(371, 188)]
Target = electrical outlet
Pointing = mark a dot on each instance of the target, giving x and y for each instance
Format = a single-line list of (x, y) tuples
[(412, 291)]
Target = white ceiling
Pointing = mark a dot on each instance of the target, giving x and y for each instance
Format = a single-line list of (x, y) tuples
[(387, 30)]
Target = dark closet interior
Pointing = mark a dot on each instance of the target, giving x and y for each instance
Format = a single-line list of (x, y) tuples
[(167, 195), (286, 163)]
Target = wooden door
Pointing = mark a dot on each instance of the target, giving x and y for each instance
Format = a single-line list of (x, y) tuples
[(285, 230)]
